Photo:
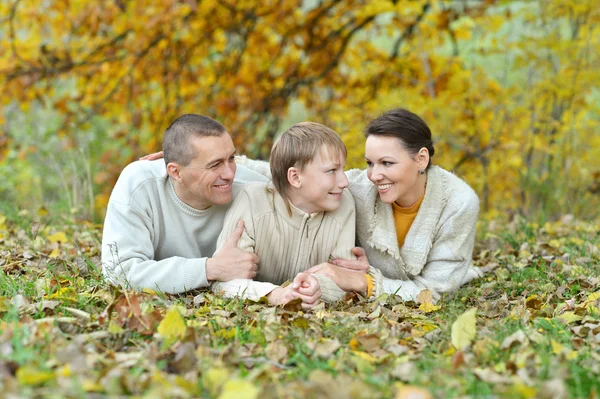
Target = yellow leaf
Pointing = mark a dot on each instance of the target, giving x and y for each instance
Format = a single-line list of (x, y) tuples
[(58, 237), (556, 347), (172, 327), (54, 254), (91, 386), (425, 298), (554, 243), (569, 317), (42, 211), (239, 389), (31, 376), (463, 329), (412, 392), (593, 297), (114, 328), (365, 356), (214, 379)]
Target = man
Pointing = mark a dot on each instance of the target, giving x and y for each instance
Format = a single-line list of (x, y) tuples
[(164, 218)]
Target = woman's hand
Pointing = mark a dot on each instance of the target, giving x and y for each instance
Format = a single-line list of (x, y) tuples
[(361, 264), (153, 157), (348, 280)]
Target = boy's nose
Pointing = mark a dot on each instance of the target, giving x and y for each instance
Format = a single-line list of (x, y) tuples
[(343, 181)]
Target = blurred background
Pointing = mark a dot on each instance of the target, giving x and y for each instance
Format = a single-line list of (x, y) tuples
[(510, 89)]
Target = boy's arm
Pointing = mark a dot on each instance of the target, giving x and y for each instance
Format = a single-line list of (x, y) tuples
[(244, 288)]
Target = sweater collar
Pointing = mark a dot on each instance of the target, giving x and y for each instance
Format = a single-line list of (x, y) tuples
[(299, 217), (185, 208), (413, 254)]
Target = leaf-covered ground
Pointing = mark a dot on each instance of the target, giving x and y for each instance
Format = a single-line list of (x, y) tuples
[(530, 328)]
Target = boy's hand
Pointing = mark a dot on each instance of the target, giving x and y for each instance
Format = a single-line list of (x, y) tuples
[(230, 262), (361, 264), (308, 289), (281, 295)]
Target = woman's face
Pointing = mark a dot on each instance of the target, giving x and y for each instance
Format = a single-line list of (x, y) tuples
[(394, 170)]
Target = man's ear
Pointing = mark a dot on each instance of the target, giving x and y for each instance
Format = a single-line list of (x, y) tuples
[(294, 177), (174, 171), (423, 158)]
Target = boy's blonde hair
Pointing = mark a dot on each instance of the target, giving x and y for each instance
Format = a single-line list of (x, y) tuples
[(298, 146)]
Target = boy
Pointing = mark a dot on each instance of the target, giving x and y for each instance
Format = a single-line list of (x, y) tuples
[(304, 217)]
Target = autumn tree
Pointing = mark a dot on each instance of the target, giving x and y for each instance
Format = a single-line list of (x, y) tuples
[(507, 88)]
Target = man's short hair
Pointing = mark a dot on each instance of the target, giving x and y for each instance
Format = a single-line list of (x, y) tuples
[(176, 141), (298, 146)]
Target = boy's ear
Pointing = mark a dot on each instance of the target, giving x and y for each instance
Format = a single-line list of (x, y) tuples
[(174, 171), (294, 177)]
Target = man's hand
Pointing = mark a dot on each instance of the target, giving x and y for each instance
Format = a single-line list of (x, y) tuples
[(308, 289), (348, 280), (153, 157), (230, 262), (361, 264)]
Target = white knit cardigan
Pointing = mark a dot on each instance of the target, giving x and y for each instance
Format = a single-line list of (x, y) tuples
[(438, 248)]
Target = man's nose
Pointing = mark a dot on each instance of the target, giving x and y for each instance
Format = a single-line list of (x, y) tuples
[(229, 171)]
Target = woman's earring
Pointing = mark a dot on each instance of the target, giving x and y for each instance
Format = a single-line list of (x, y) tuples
[(421, 171)]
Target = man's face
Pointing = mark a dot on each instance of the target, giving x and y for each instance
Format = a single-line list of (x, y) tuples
[(323, 181), (208, 178)]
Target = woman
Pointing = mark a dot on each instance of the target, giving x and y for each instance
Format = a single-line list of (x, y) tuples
[(416, 222)]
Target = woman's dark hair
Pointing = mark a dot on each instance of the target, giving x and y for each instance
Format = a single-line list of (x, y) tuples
[(407, 127)]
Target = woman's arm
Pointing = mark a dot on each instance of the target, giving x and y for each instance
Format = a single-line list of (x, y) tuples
[(449, 260)]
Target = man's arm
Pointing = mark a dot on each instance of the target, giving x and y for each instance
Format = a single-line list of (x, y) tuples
[(240, 211), (128, 255)]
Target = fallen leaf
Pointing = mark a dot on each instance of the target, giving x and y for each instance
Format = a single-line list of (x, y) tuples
[(239, 389), (172, 327), (463, 329), (425, 298), (412, 392), (58, 237)]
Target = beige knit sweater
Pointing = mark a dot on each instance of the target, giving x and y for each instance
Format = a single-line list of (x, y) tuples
[(286, 245)]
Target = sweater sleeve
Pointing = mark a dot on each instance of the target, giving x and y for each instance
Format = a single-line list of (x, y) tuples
[(244, 288), (128, 255), (449, 261), (345, 216), (255, 165)]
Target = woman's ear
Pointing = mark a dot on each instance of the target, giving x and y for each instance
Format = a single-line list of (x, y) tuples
[(423, 158), (293, 177)]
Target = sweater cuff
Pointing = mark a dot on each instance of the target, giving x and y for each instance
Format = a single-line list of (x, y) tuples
[(330, 292), (194, 274), (243, 288), (370, 285)]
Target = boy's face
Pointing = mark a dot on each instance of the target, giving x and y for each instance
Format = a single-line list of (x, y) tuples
[(322, 182)]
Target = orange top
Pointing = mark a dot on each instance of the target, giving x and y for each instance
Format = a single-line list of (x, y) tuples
[(403, 219)]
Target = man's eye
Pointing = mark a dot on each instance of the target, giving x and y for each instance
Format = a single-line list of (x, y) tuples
[(215, 166), (387, 163)]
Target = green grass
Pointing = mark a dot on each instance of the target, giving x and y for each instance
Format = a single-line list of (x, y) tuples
[(284, 352)]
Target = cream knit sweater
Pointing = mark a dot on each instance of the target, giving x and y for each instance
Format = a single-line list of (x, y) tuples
[(286, 245)]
